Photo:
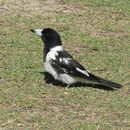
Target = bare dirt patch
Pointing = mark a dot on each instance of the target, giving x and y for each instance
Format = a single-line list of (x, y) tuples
[(47, 7), (2, 81)]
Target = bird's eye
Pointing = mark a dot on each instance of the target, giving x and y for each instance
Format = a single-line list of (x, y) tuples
[(47, 36)]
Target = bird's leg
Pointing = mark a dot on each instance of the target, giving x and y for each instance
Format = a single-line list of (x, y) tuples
[(48, 85), (67, 86)]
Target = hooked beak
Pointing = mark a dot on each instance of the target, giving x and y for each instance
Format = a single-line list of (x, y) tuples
[(32, 30), (37, 31)]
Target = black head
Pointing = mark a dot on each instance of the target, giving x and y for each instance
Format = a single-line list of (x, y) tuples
[(49, 36)]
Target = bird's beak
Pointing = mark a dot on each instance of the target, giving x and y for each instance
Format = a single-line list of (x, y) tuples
[(37, 31), (32, 30)]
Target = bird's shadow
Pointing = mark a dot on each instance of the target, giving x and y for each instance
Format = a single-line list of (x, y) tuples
[(50, 80)]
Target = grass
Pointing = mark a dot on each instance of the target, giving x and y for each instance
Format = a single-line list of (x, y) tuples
[(96, 33)]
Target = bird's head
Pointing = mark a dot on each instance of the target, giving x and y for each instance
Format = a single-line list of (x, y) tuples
[(49, 36)]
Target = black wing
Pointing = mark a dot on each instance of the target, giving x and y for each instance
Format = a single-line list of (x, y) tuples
[(65, 63)]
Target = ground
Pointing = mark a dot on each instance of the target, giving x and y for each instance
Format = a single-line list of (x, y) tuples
[(96, 33)]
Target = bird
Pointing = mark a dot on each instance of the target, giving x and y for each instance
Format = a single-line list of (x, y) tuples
[(62, 66)]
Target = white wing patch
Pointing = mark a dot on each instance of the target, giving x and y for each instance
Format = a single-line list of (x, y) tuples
[(83, 71), (66, 60), (60, 60)]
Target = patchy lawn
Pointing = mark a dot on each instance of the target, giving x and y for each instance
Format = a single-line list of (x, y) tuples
[(96, 33)]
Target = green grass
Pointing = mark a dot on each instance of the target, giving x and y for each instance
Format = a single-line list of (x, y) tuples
[(96, 33)]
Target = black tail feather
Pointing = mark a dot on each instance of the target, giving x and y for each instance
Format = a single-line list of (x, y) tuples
[(109, 83), (104, 82)]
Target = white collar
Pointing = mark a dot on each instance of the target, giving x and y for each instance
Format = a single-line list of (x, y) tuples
[(57, 48)]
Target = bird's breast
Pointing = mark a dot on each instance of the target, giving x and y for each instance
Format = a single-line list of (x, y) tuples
[(50, 69)]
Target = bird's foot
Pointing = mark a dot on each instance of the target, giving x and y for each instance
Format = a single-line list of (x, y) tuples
[(67, 86), (48, 85)]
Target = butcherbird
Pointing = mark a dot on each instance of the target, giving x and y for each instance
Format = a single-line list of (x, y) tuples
[(62, 66)]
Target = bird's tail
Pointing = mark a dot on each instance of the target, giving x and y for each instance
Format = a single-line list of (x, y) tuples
[(104, 82), (109, 83)]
